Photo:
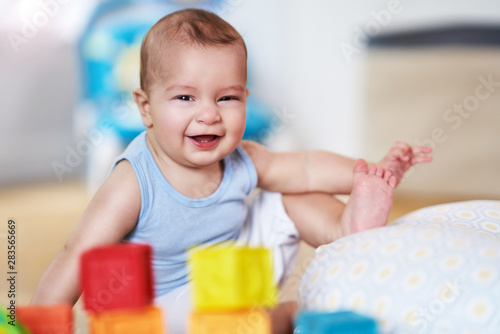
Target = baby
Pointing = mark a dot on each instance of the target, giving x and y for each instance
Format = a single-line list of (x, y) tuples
[(185, 180)]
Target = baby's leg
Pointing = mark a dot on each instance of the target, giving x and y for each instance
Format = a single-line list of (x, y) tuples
[(321, 218), (316, 216), (282, 317)]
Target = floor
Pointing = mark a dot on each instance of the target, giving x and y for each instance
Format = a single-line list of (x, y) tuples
[(45, 214)]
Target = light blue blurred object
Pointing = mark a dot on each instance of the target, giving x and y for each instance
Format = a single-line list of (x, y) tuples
[(110, 61), (258, 126), (343, 322)]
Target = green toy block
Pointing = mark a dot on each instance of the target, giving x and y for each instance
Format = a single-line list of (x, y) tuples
[(9, 323)]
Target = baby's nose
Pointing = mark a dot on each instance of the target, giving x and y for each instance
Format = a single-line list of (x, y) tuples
[(208, 114)]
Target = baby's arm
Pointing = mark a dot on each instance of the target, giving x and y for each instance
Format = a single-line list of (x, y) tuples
[(111, 214), (321, 171), (301, 172)]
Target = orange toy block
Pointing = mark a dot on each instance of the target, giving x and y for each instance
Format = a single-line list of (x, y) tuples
[(147, 320), (46, 319), (232, 322)]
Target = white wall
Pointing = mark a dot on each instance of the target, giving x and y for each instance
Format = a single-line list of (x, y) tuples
[(38, 86), (298, 65), (297, 68)]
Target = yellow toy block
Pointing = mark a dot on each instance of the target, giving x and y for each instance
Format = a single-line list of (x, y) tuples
[(231, 277), (235, 322), (147, 320)]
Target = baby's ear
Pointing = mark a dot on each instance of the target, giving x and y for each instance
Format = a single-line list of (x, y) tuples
[(142, 101)]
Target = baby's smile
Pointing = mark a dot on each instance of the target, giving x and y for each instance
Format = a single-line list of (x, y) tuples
[(205, 141)]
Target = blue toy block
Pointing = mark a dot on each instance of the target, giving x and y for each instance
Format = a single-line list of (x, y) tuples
[(344, 322)]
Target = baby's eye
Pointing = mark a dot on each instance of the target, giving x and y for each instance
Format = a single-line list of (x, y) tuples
[(184, 98), (228, 98)]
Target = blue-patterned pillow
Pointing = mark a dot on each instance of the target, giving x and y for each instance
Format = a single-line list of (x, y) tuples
[(436, 270)]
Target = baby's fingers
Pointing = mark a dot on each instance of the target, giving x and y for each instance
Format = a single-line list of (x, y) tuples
[(418, 159), (401, 150), (421, 150), (421, 154)]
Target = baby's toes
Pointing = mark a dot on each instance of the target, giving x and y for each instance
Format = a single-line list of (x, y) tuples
[(387, 175), (393, 181), (390, 178)]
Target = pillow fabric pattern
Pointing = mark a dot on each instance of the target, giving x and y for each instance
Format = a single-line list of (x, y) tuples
[(435, 270)]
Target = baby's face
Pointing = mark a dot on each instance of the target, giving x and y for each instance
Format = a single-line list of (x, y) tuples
[(198, 107)]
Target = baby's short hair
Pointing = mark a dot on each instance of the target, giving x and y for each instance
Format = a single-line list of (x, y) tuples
[(188, 26)]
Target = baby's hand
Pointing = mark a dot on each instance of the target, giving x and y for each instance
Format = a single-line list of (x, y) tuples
[(402, 156)]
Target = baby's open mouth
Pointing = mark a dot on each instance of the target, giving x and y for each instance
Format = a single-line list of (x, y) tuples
[(204, 138), (205, 142)]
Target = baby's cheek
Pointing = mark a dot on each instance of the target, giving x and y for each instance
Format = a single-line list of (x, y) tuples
[(175, 123), (237, 121)]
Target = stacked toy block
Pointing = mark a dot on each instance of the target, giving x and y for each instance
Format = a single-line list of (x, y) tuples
[(343, 322), (46, 319), (232, 286), (117, 284)]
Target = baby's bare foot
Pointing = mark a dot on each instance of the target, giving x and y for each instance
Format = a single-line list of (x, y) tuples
[(371, 198)]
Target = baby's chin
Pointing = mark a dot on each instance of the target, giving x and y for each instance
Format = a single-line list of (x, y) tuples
[(204, 160)]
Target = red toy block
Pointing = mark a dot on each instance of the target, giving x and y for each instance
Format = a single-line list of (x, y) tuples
[(46, 319), (116, 277)]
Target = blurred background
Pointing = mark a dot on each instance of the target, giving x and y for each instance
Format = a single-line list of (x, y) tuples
[(345, 76)]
